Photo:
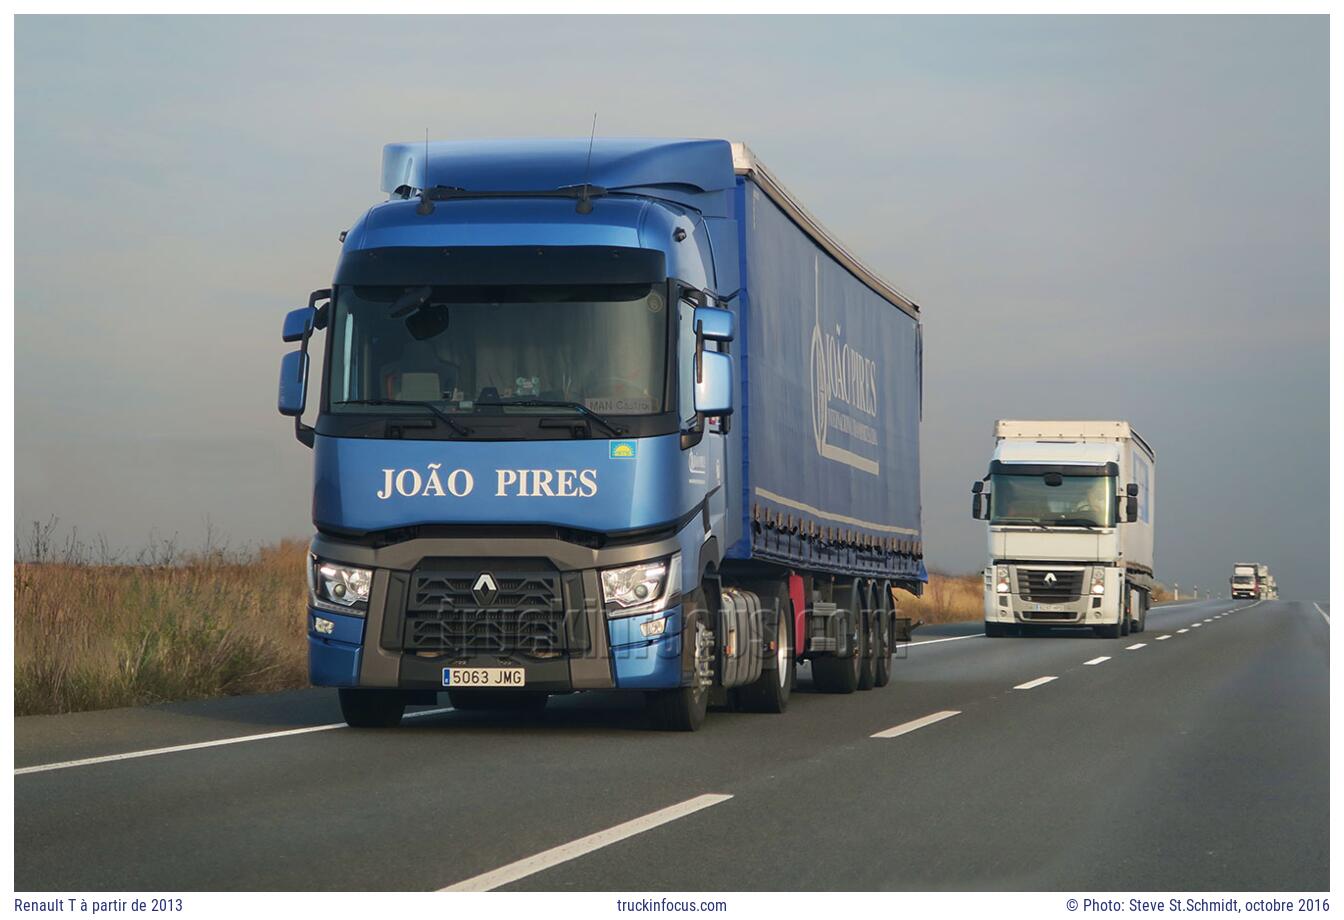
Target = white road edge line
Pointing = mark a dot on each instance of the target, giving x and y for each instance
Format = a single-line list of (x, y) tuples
[(1160, 638), (906, 727), (951, 639), (584, 845), (1034, 683), (1320, 611), (1136, 645), (1098, 660), (200, 745)]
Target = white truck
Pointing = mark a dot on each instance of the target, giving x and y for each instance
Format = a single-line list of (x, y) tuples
[(1252, 580), (1070, 512)]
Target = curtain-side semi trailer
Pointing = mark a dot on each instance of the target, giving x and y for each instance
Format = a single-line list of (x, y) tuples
[(619, 416)]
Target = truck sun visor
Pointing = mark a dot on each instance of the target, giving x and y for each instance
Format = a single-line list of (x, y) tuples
[(492, 265)]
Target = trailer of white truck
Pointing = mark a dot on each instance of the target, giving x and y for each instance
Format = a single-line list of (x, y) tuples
[(1069, 506)]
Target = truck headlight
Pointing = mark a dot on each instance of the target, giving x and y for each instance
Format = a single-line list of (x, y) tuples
[(1099, 581), (1001, 584), (342, 588), (644, 588)]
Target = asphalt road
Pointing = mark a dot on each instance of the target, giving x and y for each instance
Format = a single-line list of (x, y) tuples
[(1194, 762)]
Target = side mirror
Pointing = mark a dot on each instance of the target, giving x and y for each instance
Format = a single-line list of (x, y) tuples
[(977, 487), (293, 384), (1131, 509), (298, 324), (714, 324), (1132, 489), (714, 387), (975, 504)]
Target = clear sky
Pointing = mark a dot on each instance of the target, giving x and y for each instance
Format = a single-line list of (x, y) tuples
[(1103, 218)]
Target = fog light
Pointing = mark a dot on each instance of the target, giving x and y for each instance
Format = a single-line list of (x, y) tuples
[(653, 628), (323, 626)]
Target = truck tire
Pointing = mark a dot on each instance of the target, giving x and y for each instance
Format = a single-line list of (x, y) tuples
[(841, 675), (1110, 631), (371, 708), (770, 692), (886, 629), (498, 700), (868, 666), (683, 709)]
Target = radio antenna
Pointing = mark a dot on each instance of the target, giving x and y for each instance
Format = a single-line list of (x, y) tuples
[(425, 206), (585, 205)]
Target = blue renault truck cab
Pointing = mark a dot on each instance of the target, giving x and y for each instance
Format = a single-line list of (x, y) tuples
[(603, 415)]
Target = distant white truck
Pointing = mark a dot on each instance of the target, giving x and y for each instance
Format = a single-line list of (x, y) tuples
[(1070, 512), (1252, 580)]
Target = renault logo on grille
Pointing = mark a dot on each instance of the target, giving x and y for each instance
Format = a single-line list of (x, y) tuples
[(485, 589), (1050, 578)]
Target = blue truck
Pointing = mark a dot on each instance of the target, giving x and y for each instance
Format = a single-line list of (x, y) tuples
[(603, 415)]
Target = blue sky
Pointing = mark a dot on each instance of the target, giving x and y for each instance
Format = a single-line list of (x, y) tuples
[(1103, 217)]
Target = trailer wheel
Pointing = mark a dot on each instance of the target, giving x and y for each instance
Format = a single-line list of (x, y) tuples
[(371, 708), (683, 709), (841, 675), (868, 665), (770, 691), (498, 700), (886, 630)]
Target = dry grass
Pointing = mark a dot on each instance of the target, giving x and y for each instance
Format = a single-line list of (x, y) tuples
[(90, 636), (946, 599)]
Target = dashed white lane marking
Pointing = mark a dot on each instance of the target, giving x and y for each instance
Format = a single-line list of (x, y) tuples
[(584, 845), (1320, 611), (1098, 660), (1182, 630), (1196, 625), (951, 639), (913, 724), (1136, 645), (199, 745), (1208, 619), (1160, 638), (1034, 683)]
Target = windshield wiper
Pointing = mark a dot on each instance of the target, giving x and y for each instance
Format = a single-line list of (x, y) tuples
[(578, 407), (1020, 522), (447, 419), (1078, 522)]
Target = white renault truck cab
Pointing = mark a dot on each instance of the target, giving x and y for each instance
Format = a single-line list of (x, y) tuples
[(1069, 506)]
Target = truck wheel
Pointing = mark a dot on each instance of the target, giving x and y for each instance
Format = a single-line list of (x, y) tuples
[(1110, 631), (841, 675), (770, 691), (683, 709), (886, 629), (371, 708), (994, 630), (499, 700), (868, 664)]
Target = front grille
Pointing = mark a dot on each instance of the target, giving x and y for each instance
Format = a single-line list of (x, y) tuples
[(1033, 585), (526, 615)]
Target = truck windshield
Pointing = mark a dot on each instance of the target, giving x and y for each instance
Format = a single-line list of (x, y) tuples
[(1243, 579), (1084, 501), (470, 350)]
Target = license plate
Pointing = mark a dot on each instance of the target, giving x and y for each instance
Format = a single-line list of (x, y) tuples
[(484, 677)]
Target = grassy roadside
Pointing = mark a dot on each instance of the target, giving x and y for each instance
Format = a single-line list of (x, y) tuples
[(98, 636), (946, 599)]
